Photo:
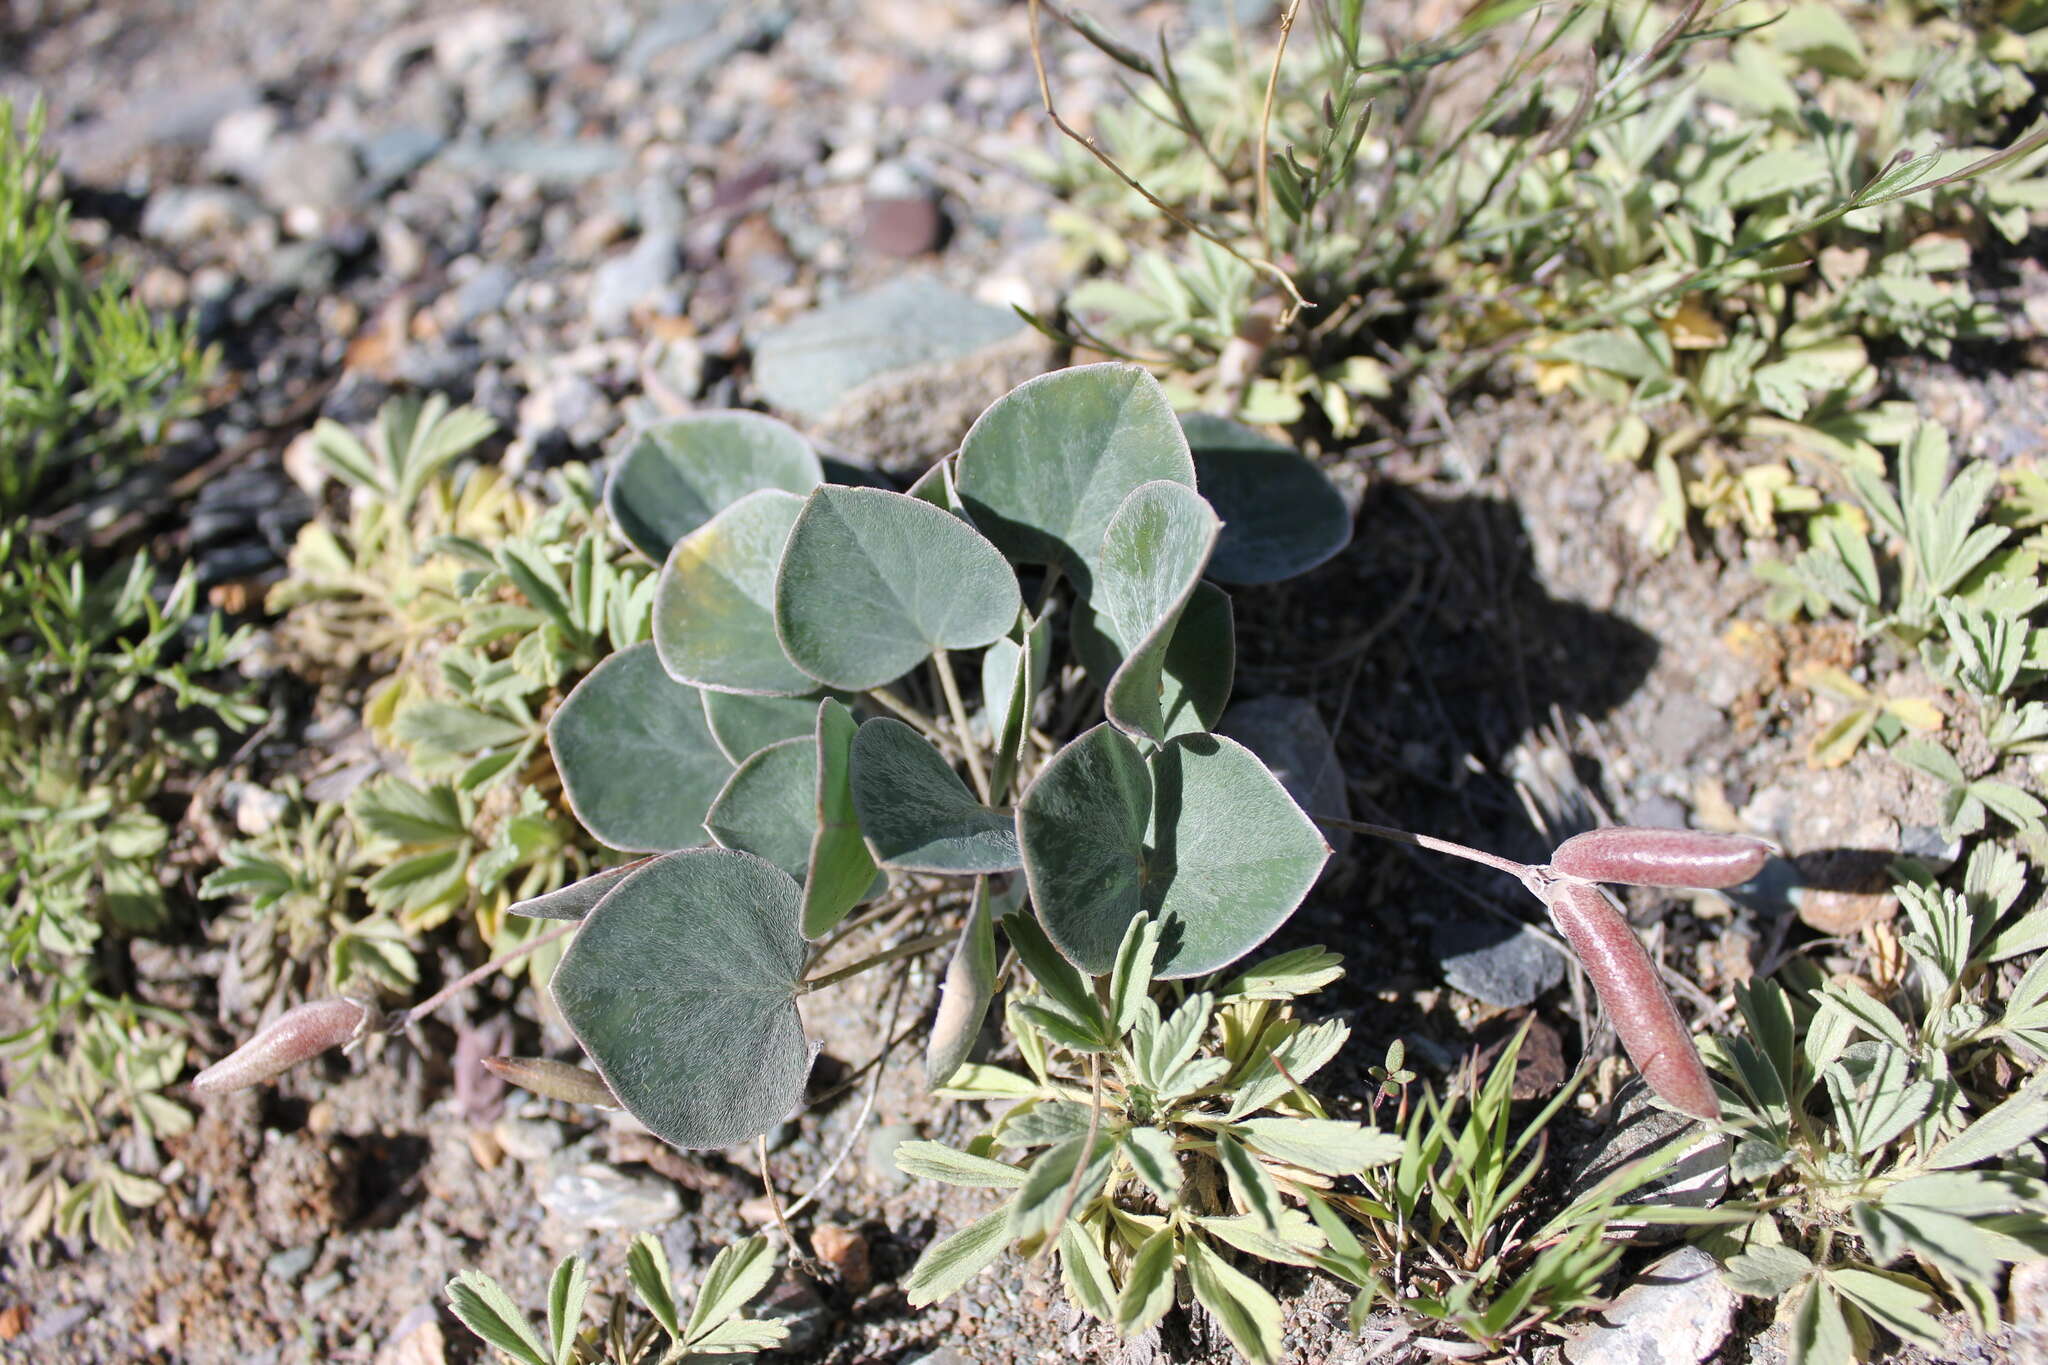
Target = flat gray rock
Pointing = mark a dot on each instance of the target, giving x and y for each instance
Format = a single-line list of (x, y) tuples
[(807, 365), (1494, 963), (603, 1198), (1699, 1180), (1677, 1313)]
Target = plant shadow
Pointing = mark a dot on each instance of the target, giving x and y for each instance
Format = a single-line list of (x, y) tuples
[(1432, 650)]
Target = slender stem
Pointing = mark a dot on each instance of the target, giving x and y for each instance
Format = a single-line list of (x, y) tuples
[(1519, 871), (775, 1197), (1295, 301), (1262, 205), (1045, 591), (441, 997), (1085, 1159), (968, 746), (901, 950), (924, 723)]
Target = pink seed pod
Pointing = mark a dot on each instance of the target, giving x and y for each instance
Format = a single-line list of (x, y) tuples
[(1635, 1000), (1660, 857), (300, 1034)]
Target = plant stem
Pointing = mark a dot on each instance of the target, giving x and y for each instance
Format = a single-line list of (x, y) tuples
[(1519, 871), (1262, 205), (968, 747), (441, 997), (901, 950), (924, 723), (1086, 1158), (1045, 591)]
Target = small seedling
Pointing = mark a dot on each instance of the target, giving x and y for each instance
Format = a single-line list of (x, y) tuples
[(714, 1330)]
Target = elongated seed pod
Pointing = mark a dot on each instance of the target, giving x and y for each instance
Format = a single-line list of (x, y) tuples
[(300, 1034), (553, 1080), (1660, 857), (1635, 1000)]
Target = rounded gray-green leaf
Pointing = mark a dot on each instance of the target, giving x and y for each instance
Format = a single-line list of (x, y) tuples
[(1230, 855), (744, 725), (916, 812), (675, 475), (842, 872), (872, 582), (1197, 671), (1081, 829), (1152, 558), (681, 987), (1201, 836), (714, 607), (1281, 514), (767, 808), (1047, 466), (638, 762)]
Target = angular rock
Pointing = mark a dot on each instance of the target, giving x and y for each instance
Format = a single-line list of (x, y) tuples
[(794, 1301), (310, 173), (1678, 1312), (180, 215), (846, 1251), (1494, 963), (808, 365), (1699, 1180), (603, 1198), (641, 277), (559, 163)]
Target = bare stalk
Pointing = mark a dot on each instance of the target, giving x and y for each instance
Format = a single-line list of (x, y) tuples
[(1520, 871), (1286, 281), (901, 950), (401, 1022), (969, 747), (1262, 206), (924, 724)]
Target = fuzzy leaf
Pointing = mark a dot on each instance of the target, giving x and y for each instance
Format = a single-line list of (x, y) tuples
[(917, 813), (487, 1310), (1046, 467), (715, 603), (681, 985), (948, 1264), (638, 763), (873, 582), (1249, 1315), (675, 475)]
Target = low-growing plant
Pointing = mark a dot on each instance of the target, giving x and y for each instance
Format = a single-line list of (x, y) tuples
[(1148, 1143), (87, 377), (476, 602), (1706, 227), (658, 1334), (1944, 577), (1890, 1131), (1151, 851), (105, 680), (82, 1124)]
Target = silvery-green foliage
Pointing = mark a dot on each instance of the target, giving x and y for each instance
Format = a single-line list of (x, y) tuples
[(799, 707), (1883, 1108), (1941, 573), (715, 1329), (1147, 1139)]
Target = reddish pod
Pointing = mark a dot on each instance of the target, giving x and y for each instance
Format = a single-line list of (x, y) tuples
[(1625, 979), (298, 1035), (1660, 857)]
